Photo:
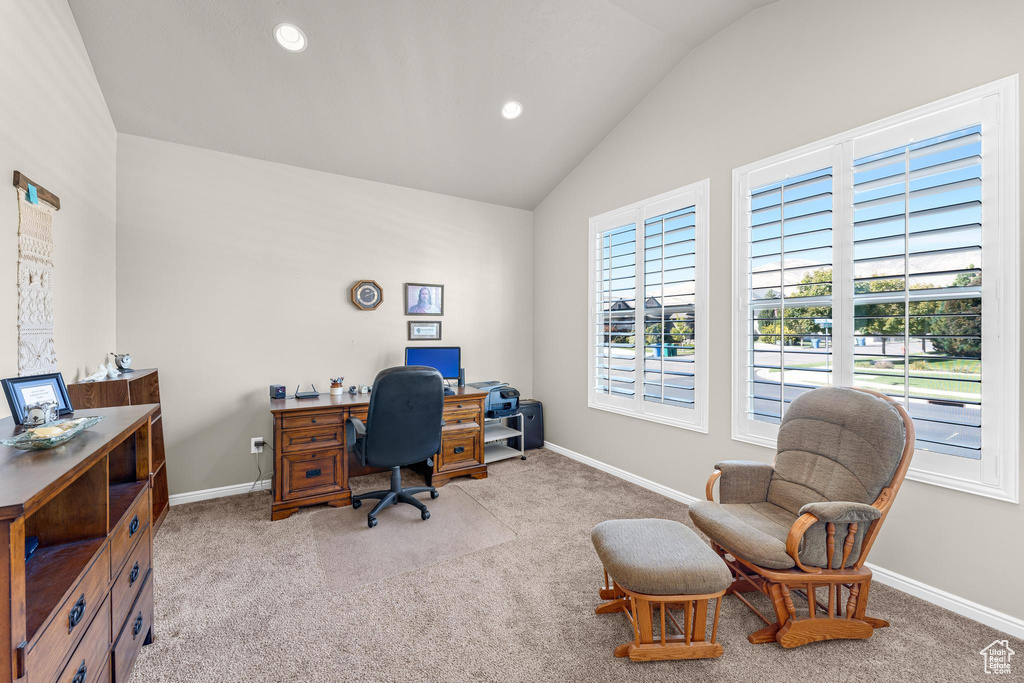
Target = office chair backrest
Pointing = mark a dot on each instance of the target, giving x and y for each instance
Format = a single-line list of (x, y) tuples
[(404, 419)]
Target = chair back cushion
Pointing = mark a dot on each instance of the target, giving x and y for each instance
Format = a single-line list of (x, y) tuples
[(835, 444), (403, 425)]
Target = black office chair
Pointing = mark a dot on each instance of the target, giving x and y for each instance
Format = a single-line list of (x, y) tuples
[(405, 419)]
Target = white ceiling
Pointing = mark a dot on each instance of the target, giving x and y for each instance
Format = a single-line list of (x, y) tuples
[(406, 92)]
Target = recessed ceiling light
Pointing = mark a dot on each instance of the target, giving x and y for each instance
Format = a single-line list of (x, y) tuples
[(512, 110), (290, 37)]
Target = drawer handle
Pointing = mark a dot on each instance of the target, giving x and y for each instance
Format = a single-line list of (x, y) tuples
[(76, 613), (460, 405), (459, 449), (313, 439), (80, 674), (133, 526), (313, 420), (312, 473), (137, 628), (134, 575)]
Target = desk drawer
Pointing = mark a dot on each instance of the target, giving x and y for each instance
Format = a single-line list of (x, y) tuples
[(71, 620), (459, 405), (311, 474), (457, 451), (129, 531), (134, 633), (316, 420), (129, 582), (314, 439), (459, 421), (88, 664)]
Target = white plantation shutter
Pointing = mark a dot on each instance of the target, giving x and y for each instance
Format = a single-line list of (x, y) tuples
[(886, 258), (648, 298)]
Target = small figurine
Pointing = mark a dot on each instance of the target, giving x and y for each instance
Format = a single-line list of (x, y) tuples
[(112, 372), (101, 373)]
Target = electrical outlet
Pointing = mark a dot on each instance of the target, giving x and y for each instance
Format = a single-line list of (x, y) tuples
[(256, 444)]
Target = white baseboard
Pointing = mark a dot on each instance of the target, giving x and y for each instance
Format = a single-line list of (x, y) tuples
[(954, 603), (219, 492)]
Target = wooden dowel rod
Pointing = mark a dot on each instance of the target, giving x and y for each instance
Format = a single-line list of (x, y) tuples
[(662, 622), (714, 627), (45, 195), (687, 624)]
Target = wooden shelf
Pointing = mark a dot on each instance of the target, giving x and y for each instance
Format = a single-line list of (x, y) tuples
[(121, 498), (49, 574)]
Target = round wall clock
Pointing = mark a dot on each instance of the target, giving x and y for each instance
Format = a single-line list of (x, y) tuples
[(367, 295)]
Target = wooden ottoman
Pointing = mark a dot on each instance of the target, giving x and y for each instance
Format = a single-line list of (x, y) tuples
[(657, 563)]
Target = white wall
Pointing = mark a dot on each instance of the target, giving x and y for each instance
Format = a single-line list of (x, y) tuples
[(55, 128), (786, 75), (234, 274)]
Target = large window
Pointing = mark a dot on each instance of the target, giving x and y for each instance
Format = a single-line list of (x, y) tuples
[(886, 258), (647, 331)]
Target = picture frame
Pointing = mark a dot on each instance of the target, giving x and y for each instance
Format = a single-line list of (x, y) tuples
[(424, 330), (23, 391), (424, 299)]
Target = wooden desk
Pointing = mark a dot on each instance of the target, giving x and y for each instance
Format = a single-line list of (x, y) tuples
[(84, 601), (312, 465)]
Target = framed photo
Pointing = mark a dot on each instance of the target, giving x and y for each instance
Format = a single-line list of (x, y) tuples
[(422, 330), (24, 391), (421, 299)]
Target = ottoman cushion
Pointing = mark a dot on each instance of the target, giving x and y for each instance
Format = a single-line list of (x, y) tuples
[(659, 557)]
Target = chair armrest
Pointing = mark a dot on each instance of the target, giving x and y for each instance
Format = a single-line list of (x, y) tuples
[(354, 429), (743, 481), (842, 512)]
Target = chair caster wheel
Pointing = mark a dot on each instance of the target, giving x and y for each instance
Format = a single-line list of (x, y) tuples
[(425, 515), (522, 457), (434, 494), (356, 504), (371, 521)]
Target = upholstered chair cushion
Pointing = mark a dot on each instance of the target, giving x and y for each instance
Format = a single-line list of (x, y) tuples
[(659, 557), (842, 512), (754, 531), (743, 481)]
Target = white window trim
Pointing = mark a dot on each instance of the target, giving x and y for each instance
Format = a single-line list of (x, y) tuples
[(1000, 302), (698, 195)]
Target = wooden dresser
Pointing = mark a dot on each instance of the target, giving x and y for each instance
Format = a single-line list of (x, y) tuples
[(132, 389), (311, 465), (81, 608)]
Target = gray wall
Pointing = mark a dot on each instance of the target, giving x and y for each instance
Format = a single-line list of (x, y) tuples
[(55, 128), (786, 75), (234, 273)]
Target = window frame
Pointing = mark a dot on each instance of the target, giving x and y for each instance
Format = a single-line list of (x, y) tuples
[(997, 473), (696, 419)]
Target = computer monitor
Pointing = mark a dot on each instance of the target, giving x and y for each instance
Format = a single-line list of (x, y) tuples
[(445, 359)]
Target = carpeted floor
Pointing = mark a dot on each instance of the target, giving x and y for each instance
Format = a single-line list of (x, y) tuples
[(241, 598)]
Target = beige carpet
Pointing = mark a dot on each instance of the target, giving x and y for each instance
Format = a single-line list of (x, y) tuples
[(402, 542), (241, 598)]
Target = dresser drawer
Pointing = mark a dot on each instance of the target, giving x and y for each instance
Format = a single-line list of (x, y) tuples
[(89, 663), (73, 617), (129, 531), (312, 439), (457, 451), (128, 583), (133, 634), (317, 420), (311, 474)]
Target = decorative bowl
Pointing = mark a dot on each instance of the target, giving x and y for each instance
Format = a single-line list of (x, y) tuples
[(51, 434)]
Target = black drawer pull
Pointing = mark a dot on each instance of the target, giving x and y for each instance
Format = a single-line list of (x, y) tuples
[(459, 449), (137, 628), (134, 575), (459, 422), (133, 526), (80, 674), (313, 420), (312, 438), (312, 473), (76, 614)]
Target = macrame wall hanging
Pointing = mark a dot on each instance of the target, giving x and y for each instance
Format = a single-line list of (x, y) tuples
[(36, 206)]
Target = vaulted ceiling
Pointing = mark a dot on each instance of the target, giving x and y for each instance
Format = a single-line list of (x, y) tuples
[(406, 92)]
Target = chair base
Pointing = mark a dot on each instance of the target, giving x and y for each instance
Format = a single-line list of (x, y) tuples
[(839, 619), (689, 643), (393, 496)]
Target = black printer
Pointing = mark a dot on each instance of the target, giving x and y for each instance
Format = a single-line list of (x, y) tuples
[(502, 400)]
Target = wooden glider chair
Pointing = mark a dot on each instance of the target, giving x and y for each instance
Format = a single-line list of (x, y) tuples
[(808, 521)]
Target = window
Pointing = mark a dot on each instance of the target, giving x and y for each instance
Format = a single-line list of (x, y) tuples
[(886, 258), (647, 331)]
